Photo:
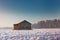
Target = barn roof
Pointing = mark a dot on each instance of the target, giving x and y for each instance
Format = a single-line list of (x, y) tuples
[(24, 21)]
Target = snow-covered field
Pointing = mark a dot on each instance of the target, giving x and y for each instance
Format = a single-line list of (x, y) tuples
[(35, 34)]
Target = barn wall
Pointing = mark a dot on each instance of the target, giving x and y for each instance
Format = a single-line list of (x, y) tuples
[(25, 25), (16, 27)]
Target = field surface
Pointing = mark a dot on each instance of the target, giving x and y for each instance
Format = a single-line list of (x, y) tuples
[(35, 34)]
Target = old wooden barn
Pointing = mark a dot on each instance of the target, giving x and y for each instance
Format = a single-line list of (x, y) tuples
[(24, 25)]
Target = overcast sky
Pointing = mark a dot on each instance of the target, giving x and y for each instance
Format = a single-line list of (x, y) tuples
[(15, 11)]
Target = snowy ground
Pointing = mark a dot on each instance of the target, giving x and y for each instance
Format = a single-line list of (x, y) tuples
[(35, 34)]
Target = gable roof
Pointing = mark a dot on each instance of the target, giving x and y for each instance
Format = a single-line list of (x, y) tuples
[(24, 21)]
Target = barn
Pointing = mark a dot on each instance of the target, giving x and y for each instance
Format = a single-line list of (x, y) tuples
[(24, 25)]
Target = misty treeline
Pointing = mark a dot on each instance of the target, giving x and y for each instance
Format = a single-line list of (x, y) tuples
[(47, 24)]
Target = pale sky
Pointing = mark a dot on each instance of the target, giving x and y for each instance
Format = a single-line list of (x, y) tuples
[(15, 11)]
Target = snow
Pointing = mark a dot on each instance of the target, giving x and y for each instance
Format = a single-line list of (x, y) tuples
[(35, 34)]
